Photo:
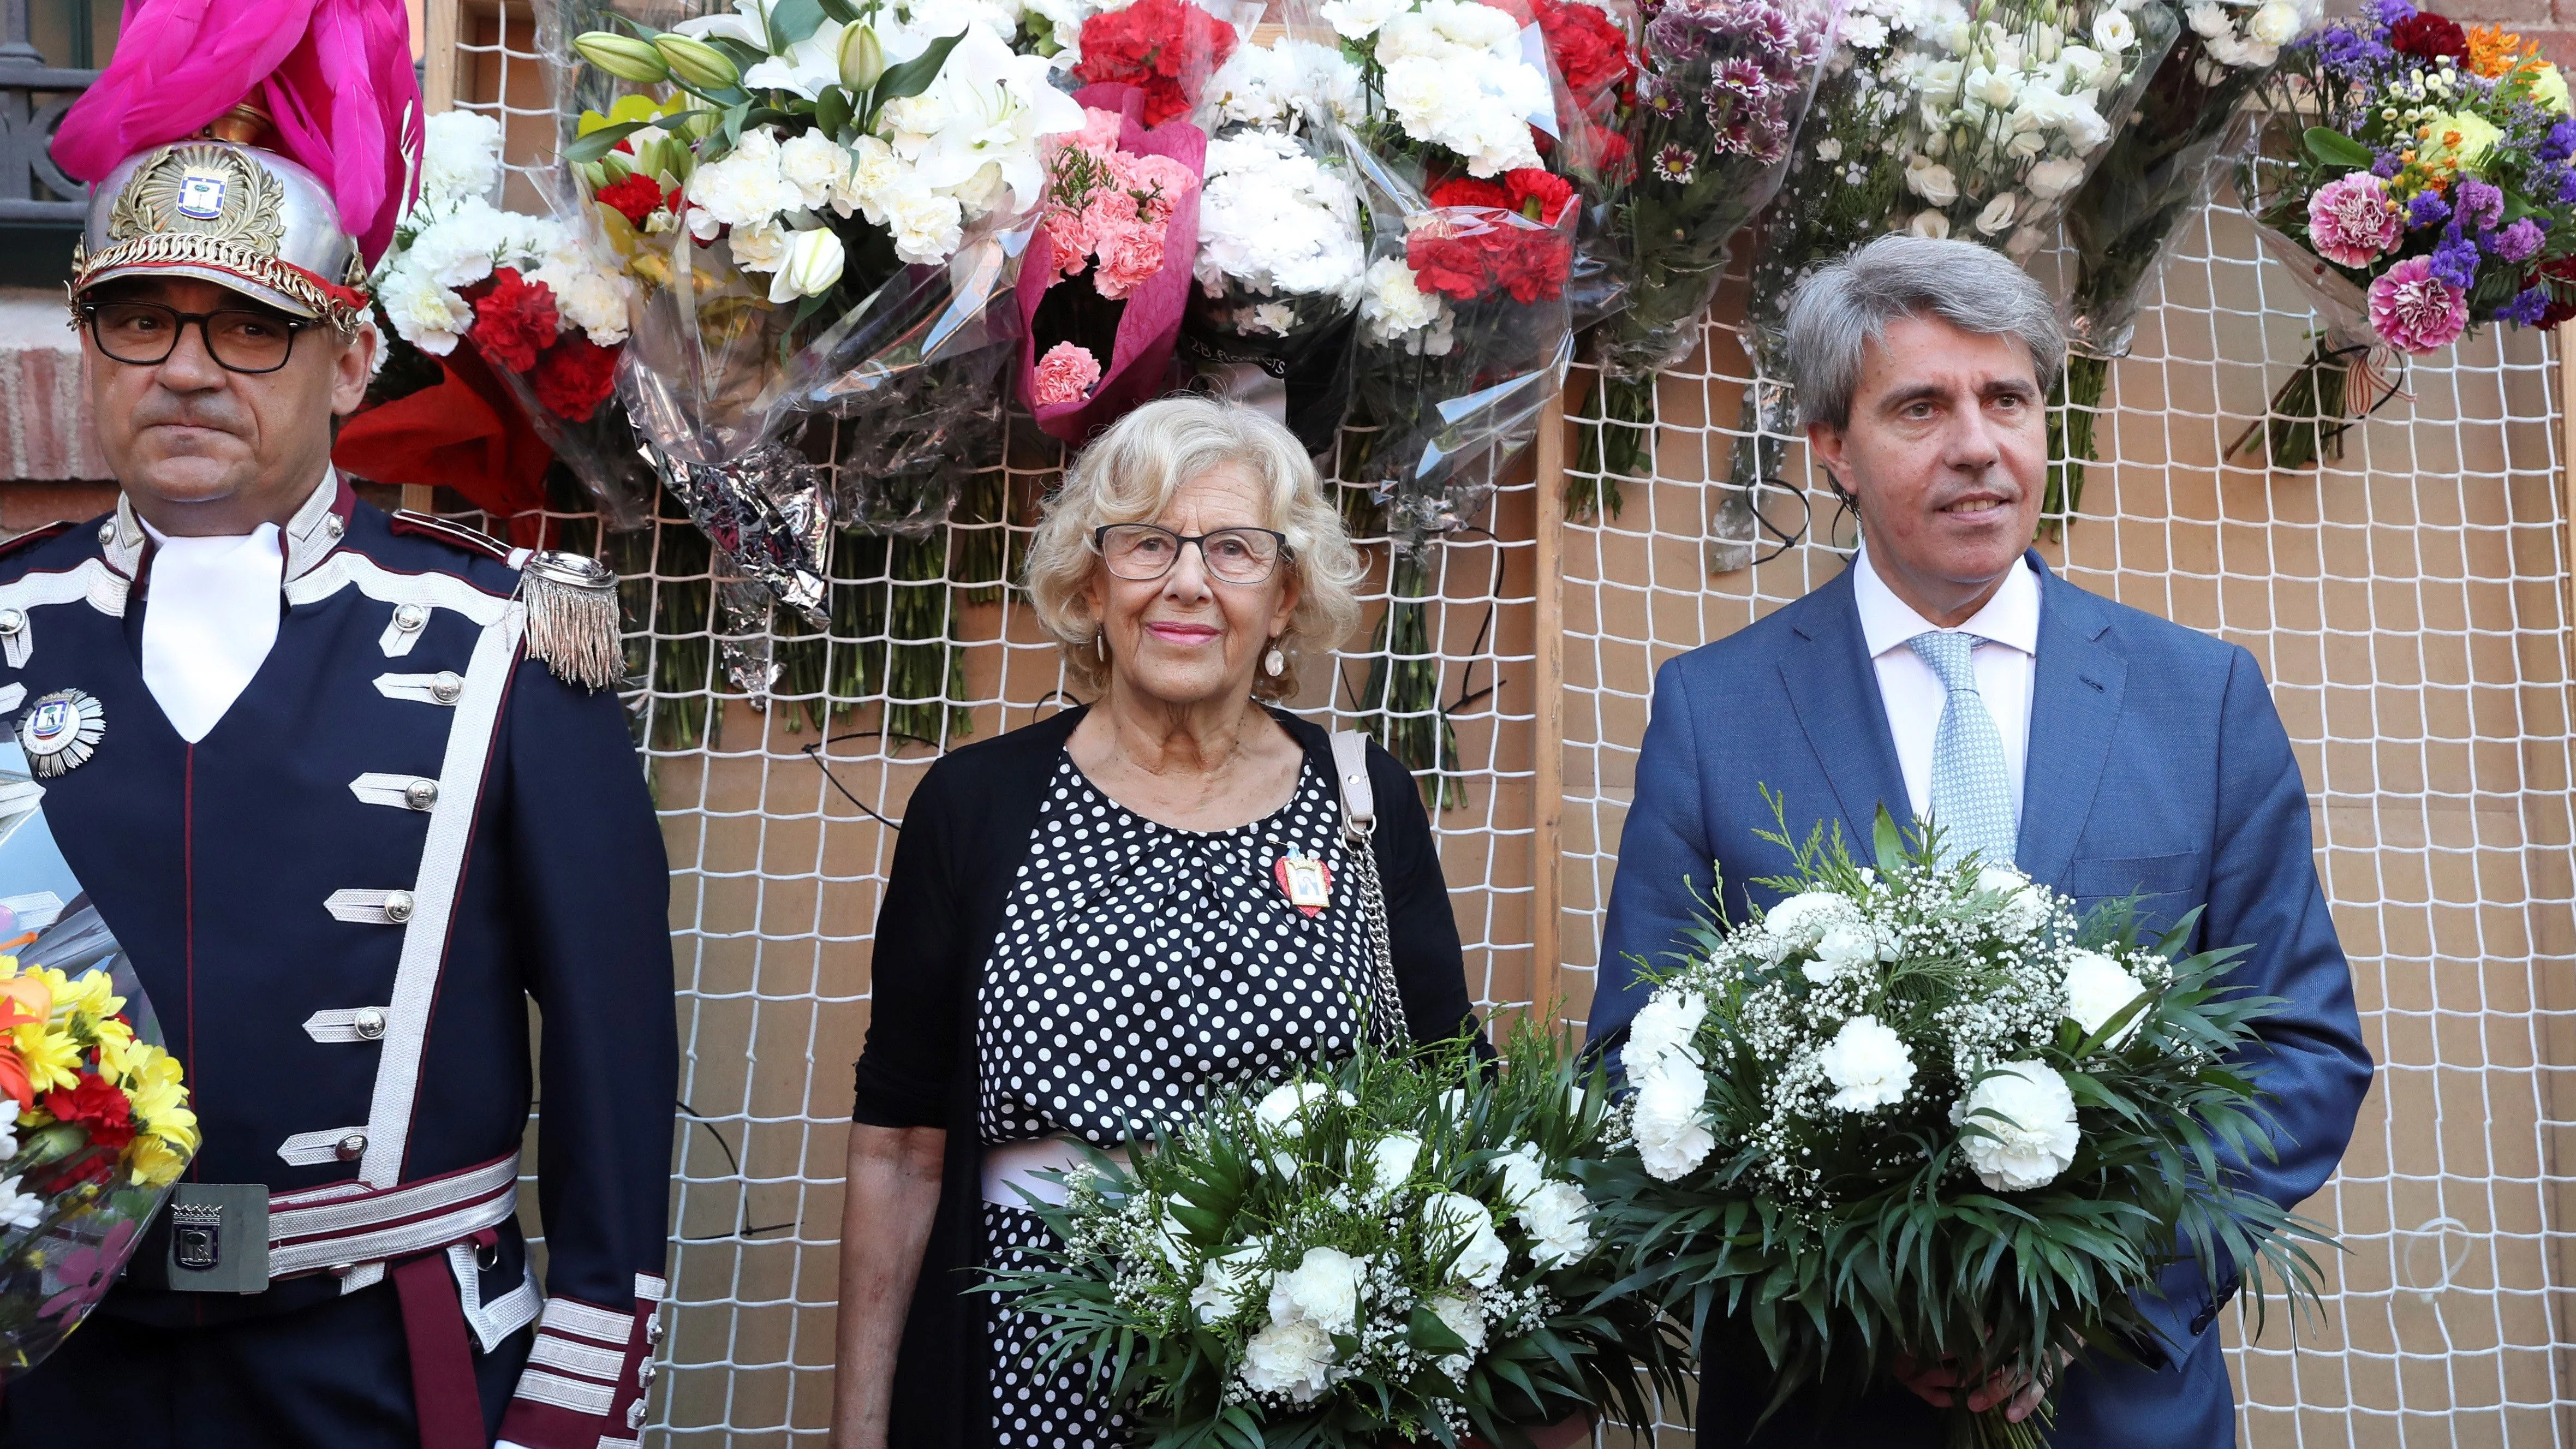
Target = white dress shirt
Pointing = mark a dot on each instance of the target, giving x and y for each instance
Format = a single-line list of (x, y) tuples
[(210, 618), (2007, 629)]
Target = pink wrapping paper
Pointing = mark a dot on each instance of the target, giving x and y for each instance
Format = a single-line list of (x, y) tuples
[(1141, 355)]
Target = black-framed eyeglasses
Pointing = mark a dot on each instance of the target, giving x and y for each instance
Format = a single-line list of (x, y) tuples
[(1146, 551), (240, 339)]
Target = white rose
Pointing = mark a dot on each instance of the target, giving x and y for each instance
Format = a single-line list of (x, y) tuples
[(2276, 23), (2099, 988), (759, 246), (1664, 1027), (1933, 224), (2053, 178), (1997, 215), (1930, 180), (1323, 1289), (813, 266), (1454, 1216), (1462, 1315), (2208, 20), (1224, 1283), (1869, 1065), (815, 165), (1559, 1217), (1672, 1135), (2082, 66), (2028, 1121), (1295, 1359), (1391, 1160), (2113, 32)]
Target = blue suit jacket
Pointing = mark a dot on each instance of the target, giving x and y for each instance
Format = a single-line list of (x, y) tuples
[(2157, 765)]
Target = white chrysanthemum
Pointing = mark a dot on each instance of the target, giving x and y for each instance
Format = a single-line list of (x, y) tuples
[(20, 1209), (1665, 1026), (1665, 1118), (429, 316), (1226, 1282), (1295, 1359), (2029, 1135), (2099, 988), (1274, 219), (1868, 1065), (1558, 1218), (1462, 1315), (1323, 1289), (460, 156), (1458, 1218)]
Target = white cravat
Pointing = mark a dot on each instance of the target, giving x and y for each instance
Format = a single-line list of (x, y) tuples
[(210, 620), (2007, 630)]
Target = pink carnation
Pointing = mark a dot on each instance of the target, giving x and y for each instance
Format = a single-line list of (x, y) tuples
[(2351, 222), (1066, 374), (1099, 130), (2414, 311), (1071, 235), (1128, 260)]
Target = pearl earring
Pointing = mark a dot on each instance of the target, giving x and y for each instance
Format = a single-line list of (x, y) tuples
[(1100, 643), (1274, 663)]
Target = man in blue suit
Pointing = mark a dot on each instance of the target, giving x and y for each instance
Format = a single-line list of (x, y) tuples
[(1949, 676)]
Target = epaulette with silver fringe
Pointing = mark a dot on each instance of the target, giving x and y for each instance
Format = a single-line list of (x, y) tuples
[(572, 617)]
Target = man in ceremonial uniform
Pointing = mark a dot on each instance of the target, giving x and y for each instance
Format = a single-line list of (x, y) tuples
[(350, 788)]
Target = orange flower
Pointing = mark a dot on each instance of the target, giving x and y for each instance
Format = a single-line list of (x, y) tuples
[(24, 1001), (2492, 51)]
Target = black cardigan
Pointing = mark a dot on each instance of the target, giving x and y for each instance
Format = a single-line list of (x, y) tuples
[(965, 833)]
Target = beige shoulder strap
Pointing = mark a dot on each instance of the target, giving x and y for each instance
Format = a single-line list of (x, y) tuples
[(1350, 767)]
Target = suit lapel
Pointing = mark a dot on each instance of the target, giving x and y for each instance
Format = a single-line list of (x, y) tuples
[(1834, 689), (2074, 706)]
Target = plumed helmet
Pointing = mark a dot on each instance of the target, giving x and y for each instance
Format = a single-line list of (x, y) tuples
[(227, 212)]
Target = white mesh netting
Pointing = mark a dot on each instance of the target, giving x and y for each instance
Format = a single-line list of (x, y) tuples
[(2408, 603)]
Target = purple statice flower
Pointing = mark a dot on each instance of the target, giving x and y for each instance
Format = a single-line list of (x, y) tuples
[(2560, 143), (2387, 13), (2386, 165), (2477, 203), (2519, 242), (2567, 186), (2354, 54), (2455, 260), (2527, 305), (2427, 209)]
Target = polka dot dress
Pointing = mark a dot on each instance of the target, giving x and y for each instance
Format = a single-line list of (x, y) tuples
[(1137, 966)]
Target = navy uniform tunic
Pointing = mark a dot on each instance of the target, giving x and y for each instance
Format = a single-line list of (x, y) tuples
[(340, 900)]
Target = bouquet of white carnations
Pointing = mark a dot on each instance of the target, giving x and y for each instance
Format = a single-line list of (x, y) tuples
[(1394, 1250), (1918, 1109), (533, 295), (824, 211), (1280, 248)]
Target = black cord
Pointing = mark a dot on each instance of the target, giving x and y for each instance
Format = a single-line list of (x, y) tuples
[(735, 1164), (813, 750)]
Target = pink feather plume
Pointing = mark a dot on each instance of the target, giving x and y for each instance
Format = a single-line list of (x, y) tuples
[(335, 74)]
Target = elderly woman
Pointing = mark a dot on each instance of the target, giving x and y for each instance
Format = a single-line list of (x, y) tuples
[(1094, 920)]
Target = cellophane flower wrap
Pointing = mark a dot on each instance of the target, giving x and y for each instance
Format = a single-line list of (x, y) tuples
[(1918, 1108), (1108, 273), (2126, 221), (1281, 252), (536, 296), (1719, 101), (2416, 179), (94, 1117), (1942, 122), (1391, 1250), (1592, 58), (823, 209)]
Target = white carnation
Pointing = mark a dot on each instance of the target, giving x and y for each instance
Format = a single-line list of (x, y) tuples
[(744, 185), (1462, 1315), (1456, 1216), (1845, 946), (1294, 1358), (1323, 1289), (1665, 1026), (815, 165), (1283, 1109), (1868, 1065), (1524, 1172), (1802, 919), (589, 298), (460, 157), (1672, 1134), (2099, 988), (459, 249), (759, 246), (1360, 19), (1225, 1282), (1559, 1218), (1391, 1160), (8, 1128), (1275, 219), (428, 316), (2028, 1117), (1395, 309), (927, 226)]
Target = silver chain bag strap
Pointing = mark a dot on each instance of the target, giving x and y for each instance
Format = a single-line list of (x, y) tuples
[(1359, 824)]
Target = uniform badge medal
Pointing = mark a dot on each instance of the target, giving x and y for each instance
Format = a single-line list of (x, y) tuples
[(60, 731), (1306, 879)]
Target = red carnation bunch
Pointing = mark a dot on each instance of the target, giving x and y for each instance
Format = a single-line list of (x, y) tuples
[(636, 198), (575, 377), (97, 1106), (1465, 257), (2430, 36), (514, 320), (1590, 49), (1165, 48)]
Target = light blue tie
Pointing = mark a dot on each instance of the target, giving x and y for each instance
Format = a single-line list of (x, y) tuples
[(1971, 785)]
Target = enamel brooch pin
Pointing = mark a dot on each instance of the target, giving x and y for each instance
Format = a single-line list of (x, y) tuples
[(60, 731), (1306, 879)]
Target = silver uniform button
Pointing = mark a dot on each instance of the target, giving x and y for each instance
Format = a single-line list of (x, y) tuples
[(446, 687), (333, 526), (370, 1022), (421, 794), (644, 1374), (11, 621), (107, 532), (353, 1147), (411, 618), (398, 906), (635, 1415)]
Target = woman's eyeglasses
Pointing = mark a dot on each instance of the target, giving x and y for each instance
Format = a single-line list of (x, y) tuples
[(1143, 552), (144, 334)]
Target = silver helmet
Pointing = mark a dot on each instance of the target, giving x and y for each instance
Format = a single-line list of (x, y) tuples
[(229, 213)]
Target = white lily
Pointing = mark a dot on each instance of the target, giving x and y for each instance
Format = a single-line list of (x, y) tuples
[(749, 24), (993, 108), (808, 66)]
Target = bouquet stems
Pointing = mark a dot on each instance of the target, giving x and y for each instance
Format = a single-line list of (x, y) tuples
[(2074, 401), (925, 670), (2310, 414), (1990, 1430), (982, 563), (1401, 702), (1620, 442), (666, 573)]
